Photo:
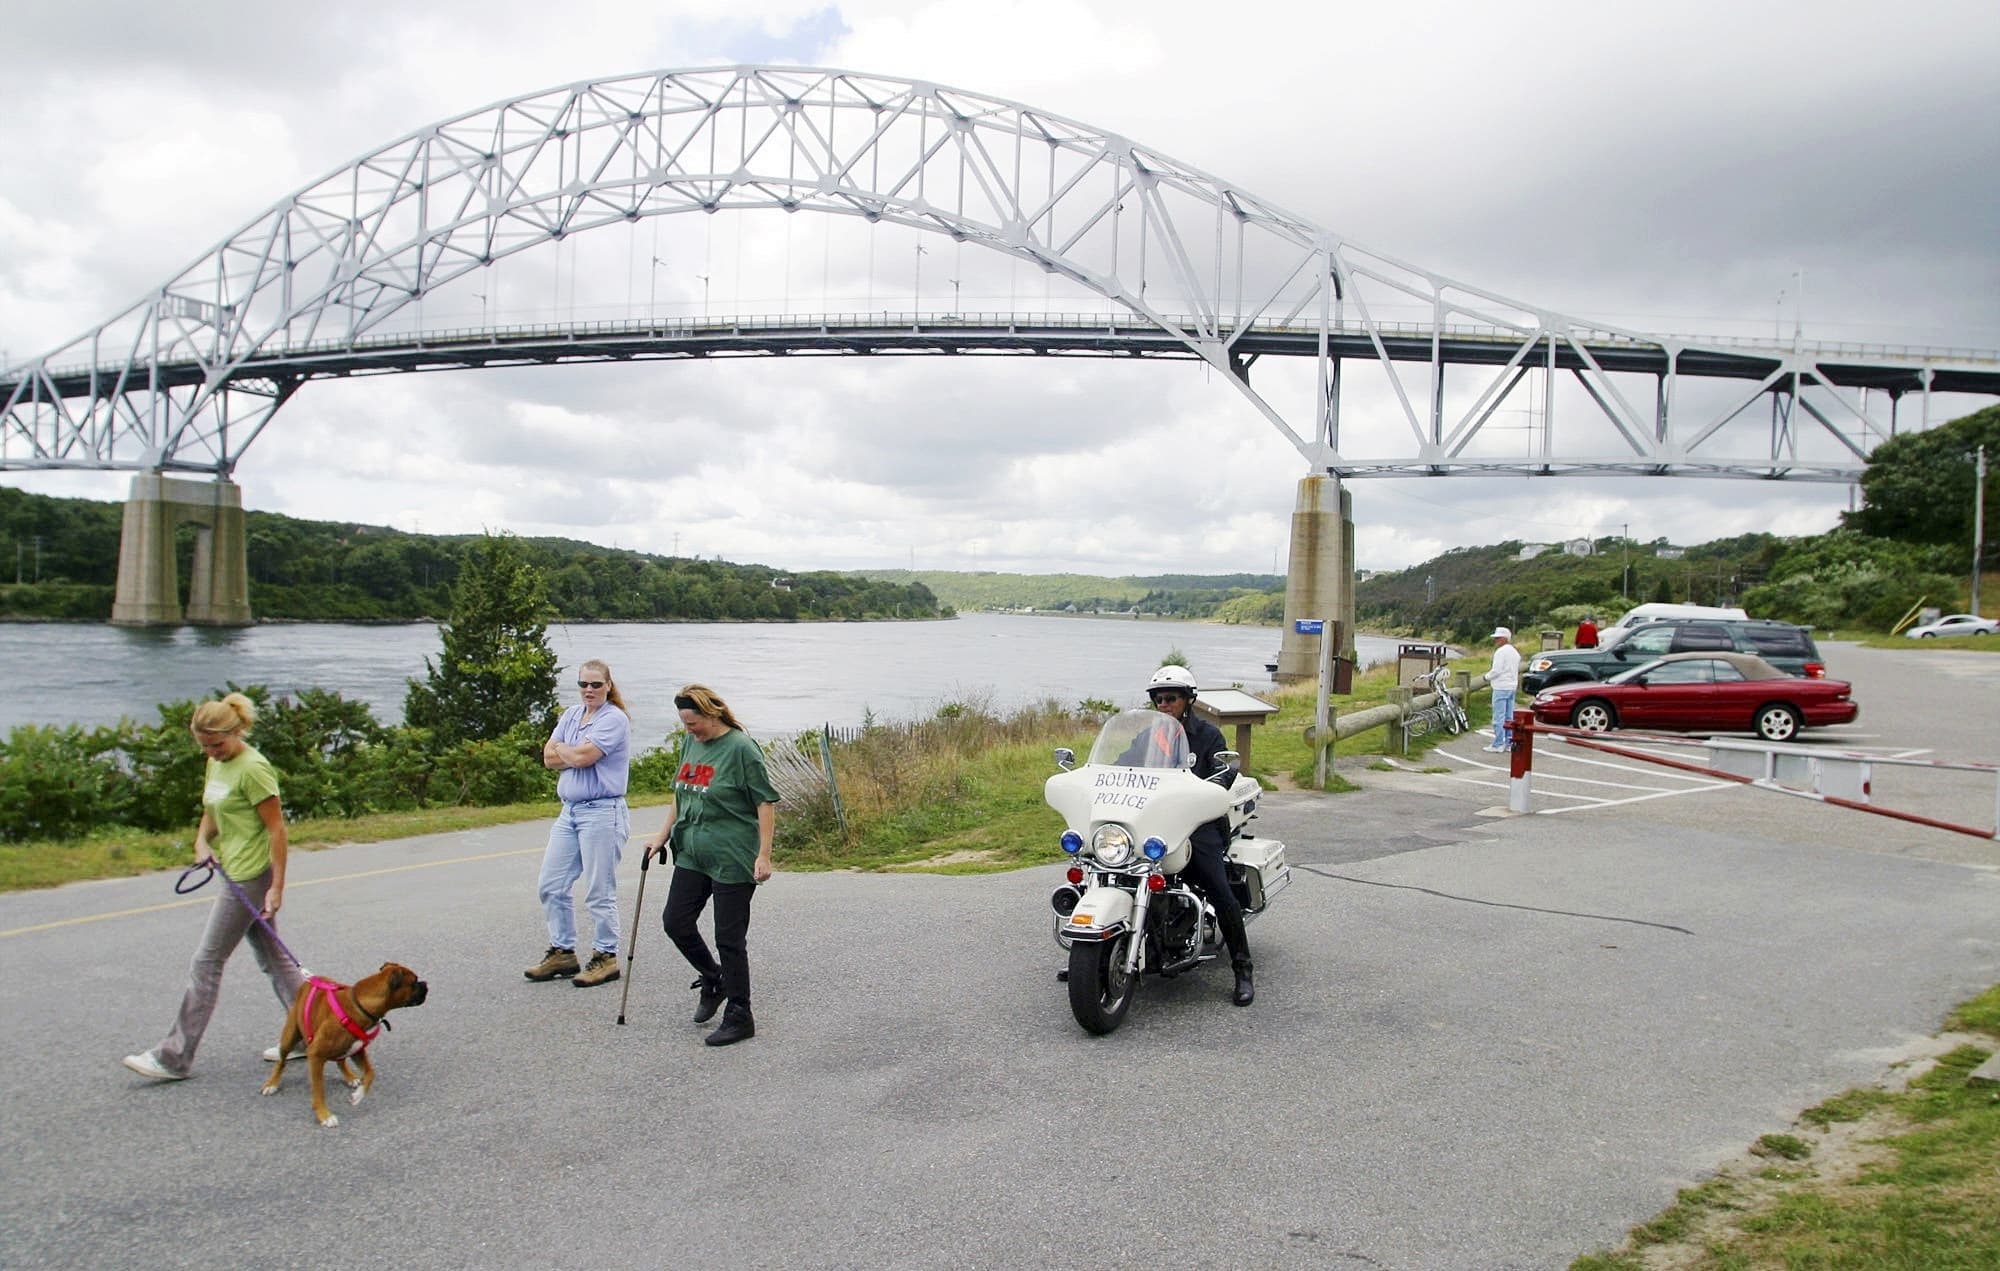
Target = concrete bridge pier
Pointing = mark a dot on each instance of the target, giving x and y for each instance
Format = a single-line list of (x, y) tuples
[(1320, 578), (148, 592)]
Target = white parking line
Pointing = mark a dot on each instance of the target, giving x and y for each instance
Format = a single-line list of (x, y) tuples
[(1585, 781), (1642, 798)]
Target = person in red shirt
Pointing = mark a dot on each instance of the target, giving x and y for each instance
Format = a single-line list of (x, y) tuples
[(1586, 632)]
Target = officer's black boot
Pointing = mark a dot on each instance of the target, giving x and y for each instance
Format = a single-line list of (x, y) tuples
[(736, 1026), (1246, 992)]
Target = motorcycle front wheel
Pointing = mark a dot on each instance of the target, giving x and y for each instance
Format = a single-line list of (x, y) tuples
[(1099, 989)]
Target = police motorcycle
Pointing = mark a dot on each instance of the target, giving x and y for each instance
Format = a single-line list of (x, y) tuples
[(1124, 910)]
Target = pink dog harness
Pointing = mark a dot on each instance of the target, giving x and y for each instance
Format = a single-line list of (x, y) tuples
[(328, 989)]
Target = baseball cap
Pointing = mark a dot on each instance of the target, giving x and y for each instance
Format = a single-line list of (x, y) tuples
[(1501, 633)]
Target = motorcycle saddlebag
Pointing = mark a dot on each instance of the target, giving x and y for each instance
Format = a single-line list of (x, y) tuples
[(1261, 864)]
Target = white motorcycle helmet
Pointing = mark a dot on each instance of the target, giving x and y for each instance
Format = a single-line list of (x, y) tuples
[(1174, 677)]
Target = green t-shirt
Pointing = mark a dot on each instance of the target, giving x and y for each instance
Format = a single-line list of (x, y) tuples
[(716, 793), (230, 793)]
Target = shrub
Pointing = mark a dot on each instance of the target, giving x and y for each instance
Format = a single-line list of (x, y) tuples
[(60, 782)]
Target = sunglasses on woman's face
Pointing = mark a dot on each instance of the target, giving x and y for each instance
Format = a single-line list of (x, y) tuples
[(590, 683), (1160, 699)]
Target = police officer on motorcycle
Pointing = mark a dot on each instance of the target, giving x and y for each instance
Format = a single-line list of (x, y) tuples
[(1172, 691)]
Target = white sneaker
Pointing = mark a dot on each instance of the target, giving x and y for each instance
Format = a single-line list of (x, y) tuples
[(271, 1053), (1493, 750), (146, 1065)]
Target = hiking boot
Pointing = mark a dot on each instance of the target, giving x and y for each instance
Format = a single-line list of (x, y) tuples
[(710, 1001), (603, 969), (557, 961), (736, 1026), (1246, 992), (146, 1064)]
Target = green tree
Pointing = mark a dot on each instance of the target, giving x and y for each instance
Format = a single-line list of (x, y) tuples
[(497, 669), (1918, 487)]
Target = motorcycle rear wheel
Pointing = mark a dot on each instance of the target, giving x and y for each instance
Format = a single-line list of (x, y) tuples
[(1099, 990)]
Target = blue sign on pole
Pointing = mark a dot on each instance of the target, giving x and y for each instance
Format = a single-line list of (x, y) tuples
[(1309, 626)]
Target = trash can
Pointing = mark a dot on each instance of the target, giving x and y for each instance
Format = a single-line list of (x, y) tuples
[(1551, 640), (1413, 660)]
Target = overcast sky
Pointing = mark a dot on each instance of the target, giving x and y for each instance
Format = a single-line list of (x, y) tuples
[(1714, 168)]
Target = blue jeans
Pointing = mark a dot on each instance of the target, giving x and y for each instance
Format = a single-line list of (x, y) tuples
[(1503, 716), (585, 842)]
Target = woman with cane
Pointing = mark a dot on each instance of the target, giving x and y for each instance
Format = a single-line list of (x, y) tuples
[(720, 829), (242, 832)]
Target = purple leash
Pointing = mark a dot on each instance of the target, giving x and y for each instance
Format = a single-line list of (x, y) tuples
[(182, 887)]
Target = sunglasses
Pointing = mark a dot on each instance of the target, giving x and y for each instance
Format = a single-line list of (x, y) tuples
[(1168, 697), (590, 683)]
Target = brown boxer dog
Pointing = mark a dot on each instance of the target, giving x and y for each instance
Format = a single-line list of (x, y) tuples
[(336, 1022)]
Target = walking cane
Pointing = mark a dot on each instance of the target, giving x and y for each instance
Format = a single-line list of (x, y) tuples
[(632, 949)]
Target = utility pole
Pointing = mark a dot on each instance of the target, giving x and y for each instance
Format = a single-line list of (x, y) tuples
[(1978, 523), (1625, 561)]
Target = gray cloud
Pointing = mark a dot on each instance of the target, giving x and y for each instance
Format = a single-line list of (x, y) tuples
[(1664, 173)]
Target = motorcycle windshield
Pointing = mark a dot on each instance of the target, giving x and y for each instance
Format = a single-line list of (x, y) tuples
[(1142, 739)]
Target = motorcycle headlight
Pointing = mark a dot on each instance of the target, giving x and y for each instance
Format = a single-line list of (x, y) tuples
[(1112, 845)]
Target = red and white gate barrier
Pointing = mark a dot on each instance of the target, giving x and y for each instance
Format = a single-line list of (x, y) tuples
[(1841, 778)]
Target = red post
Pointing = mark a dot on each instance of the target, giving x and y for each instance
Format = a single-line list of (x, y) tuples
[(1520, 774)]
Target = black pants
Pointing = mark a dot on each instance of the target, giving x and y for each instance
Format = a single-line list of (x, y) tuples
[(686, 895), (1211, 878)]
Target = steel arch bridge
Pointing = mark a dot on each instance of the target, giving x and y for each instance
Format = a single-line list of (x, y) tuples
[(1187, 265)]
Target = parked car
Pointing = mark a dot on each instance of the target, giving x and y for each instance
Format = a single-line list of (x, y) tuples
[(1713, 691), (1955, 624), (1789, 648)]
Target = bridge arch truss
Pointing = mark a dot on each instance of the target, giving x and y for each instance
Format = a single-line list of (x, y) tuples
[(1193, 266)]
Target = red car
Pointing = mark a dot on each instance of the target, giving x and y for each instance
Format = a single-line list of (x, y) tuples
[(1714, 692)]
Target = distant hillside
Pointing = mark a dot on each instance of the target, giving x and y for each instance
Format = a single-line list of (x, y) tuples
[(65, 554), (1468, 591), (1174, 595)]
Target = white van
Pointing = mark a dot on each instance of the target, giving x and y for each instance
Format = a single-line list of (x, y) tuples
[(1655, 612)]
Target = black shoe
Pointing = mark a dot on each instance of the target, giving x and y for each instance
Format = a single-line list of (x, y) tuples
[(736, 1026), (711, 999), (1246, 992)]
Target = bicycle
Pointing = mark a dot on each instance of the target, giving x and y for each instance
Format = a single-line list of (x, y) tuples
[(1445, 712)]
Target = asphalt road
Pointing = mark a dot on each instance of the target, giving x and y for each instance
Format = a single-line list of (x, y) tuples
[(1479, 1041)]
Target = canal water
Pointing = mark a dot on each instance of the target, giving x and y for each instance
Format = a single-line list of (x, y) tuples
[(779, 677)]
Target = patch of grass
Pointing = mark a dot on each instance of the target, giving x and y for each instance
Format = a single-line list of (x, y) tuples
[(1788, 1146), (121, 852), (958, 793), (1984, 644), (1605, 1261), (1281, 747), (1980, 1015), (1852, 1106), (1689, 1206), (1926, 1201)]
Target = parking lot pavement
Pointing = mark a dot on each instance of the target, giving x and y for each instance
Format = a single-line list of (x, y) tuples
[(1916, 704)]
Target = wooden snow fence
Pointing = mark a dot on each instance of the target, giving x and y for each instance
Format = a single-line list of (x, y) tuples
[(801, 778)]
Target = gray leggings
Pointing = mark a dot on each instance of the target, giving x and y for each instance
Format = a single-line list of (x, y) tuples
[(229, 921)]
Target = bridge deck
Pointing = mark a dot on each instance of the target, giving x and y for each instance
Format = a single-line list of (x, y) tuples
[(1888, 368)]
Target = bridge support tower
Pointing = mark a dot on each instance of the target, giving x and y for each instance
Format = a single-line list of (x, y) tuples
[(1320, 579), (148, 592)]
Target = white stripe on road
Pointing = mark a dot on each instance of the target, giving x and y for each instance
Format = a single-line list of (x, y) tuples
[(291, 885), (1642, 798)]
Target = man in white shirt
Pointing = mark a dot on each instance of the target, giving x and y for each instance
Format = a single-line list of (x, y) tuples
[(1505, 680)]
